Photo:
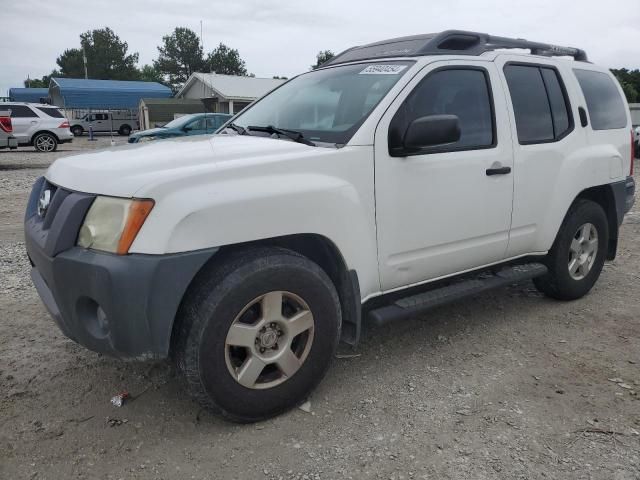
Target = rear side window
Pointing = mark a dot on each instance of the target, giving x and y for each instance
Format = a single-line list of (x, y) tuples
[(21, 111), (52, 112), (607, 110), (540, 104), (464, 92)]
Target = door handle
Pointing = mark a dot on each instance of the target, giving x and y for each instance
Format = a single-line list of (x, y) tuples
[(498, 171)]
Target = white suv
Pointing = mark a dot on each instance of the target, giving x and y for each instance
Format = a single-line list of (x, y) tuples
[(433, 162), (39, 125)]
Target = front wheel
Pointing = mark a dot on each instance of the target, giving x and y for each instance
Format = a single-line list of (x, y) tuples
[(45, 142), (257, 333), (578, 253), (77, 130)]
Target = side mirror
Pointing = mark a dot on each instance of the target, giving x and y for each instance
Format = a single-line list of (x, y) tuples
[(431, 131)]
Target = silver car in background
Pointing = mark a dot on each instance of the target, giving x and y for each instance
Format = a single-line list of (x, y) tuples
[(39, 125)]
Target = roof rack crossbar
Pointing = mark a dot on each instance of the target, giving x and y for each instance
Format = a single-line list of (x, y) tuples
[(536, 48), (458, 42)]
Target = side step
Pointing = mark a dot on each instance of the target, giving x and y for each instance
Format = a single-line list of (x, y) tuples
[(415, 304)]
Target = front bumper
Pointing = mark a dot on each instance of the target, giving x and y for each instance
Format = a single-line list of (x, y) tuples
[(120, 305)]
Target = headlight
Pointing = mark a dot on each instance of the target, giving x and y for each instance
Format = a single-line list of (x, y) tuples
[(146, 139), (111, 224)]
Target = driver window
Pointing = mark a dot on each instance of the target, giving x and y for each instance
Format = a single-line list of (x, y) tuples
[(462, 92), (197, 125)]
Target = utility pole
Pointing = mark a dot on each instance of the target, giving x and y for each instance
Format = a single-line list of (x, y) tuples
[(84, 59)]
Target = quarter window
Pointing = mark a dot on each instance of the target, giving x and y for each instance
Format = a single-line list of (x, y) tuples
[(21, 111), (606, 107), (52, 112), (464, 92), (540, 105)]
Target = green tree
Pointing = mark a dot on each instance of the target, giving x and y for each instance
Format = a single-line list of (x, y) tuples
[(226, 61), (108, 57), (149, 73), (630, 83), (40, 82), (322, 57), (630, 92), (180, 56)]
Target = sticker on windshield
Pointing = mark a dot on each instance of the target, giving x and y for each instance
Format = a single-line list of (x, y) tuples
[(383, 69)]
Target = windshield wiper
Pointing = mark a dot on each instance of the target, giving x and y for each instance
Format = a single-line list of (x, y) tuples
[(237, 128), (290, 134)]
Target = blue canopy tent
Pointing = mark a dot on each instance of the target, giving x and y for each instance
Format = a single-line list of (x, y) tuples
[(77, 93), (30, 95)]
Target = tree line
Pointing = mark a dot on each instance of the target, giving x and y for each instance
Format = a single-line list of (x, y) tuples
[(179, 55), (630, 83)]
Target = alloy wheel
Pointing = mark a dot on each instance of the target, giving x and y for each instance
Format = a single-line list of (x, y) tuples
[(583, 251), (269, 340)]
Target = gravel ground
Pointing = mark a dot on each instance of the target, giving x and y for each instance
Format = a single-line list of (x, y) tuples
[(505, 385)]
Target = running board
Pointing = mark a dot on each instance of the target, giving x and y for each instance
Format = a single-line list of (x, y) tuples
[(415, 304)]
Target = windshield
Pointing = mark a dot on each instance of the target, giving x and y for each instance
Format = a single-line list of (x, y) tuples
[(326, 105), (180, 121)]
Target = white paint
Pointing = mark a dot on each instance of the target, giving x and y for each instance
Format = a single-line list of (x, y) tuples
[(396, 221)]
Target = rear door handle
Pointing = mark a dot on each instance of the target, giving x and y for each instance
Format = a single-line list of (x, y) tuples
[(498, 171)]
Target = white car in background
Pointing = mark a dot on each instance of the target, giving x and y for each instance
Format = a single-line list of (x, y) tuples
[(40, 125), (636, 141)]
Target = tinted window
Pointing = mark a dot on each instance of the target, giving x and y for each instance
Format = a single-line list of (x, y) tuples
[(530, 104), (21, 111), (214, 122), (461, 92), (197, 125), (52, 112), (560, 110), (606, 107)]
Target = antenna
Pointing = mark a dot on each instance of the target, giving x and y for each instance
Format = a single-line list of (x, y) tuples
[(204, 87)]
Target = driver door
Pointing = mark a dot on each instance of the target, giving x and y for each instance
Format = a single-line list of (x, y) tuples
[(443, 210)]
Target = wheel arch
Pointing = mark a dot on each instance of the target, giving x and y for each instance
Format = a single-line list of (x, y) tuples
[(43, 131), (320, 250), (604, 196)]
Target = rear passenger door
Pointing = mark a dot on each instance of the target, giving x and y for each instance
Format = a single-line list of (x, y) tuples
[(25, 122), (444, 210), (544, 137)]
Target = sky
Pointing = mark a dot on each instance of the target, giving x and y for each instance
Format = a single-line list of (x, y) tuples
[(282, 37)]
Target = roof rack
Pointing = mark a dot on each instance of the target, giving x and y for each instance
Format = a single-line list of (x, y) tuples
[(458, 42)]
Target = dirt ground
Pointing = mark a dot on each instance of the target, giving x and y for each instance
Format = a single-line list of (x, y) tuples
[(507, 385)]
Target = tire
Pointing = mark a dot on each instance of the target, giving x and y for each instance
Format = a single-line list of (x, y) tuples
[(211, 314), (77, 130), (585, 221), (45, 142), (125, 130)]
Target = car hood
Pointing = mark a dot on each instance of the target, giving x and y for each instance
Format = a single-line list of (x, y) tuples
[(151, 132), (134, 169)]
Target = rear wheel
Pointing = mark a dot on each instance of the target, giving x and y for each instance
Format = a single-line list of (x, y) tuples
[(257, 333), (577, 256), (125, 130), (77, 130), (45, 142)]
